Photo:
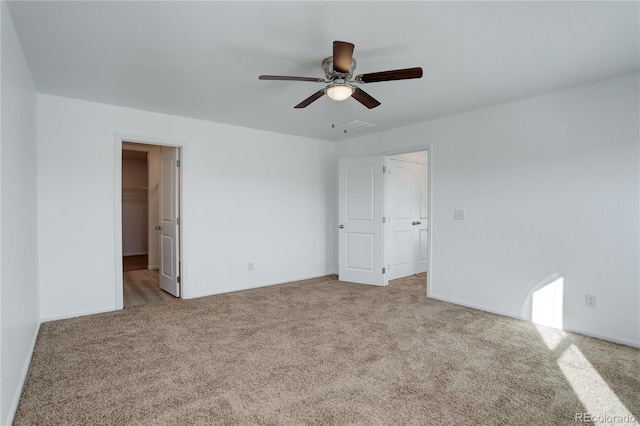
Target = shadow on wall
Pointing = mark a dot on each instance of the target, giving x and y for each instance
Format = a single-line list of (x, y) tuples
[(600, 401)]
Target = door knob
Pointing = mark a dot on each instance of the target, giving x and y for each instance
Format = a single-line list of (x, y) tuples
[(418, 223), (341, 226), (158, 228), (414, 223)]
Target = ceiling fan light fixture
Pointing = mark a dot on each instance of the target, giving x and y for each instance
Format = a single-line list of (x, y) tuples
[(340, 91)]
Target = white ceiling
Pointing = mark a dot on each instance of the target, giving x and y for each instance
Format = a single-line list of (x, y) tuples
[(202, 59)]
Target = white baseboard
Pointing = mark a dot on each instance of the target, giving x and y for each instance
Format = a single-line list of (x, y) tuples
[(608, 338), (77, 314), (474, 306), (153, 266), (135, 254), (23, 377), (613, 339), (252, 286)]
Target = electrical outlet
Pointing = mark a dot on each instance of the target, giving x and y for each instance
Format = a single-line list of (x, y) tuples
[(590, 301), (458, 214), (250, 267)]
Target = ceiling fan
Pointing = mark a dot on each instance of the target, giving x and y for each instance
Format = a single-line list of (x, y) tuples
[(338, 71)]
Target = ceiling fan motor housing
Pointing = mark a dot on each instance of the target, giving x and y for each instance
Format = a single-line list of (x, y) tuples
[(332, 75)]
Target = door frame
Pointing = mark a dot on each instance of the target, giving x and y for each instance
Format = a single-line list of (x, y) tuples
[(182, 147), (429, 149)]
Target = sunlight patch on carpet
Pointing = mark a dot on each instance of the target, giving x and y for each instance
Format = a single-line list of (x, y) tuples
[(599, 401)]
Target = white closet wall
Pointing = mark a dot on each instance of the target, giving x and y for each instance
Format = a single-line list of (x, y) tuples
[(134, 206)]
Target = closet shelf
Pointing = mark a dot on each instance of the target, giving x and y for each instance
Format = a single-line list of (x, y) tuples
[(134, 195)]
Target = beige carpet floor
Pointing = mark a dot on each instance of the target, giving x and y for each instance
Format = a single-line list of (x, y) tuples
[(321, 352)]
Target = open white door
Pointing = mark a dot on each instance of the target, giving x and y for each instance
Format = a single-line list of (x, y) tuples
[(361, 227), (169, 237), (407, 207), (402, 222), (422, 184)]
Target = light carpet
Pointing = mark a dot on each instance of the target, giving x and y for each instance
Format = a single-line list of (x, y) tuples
[(320, 352)]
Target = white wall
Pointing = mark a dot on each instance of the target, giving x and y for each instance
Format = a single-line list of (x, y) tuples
[(250, 196), (18, 225), (550, 186)]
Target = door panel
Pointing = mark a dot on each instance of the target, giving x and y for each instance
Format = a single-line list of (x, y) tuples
[(401, 178), (423, 190), (360, 251), (361, 208), (422, 237), (169, 237), (423, 252), (167, 256), (402, 250), (360, 197)]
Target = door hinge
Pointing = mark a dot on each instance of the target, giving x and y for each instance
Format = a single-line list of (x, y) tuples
[(384, 219), (384, 270), (384, 169), (178, 221), (178, 279), (177, 163)]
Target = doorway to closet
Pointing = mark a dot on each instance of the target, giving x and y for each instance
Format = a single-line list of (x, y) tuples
[(150, 222)]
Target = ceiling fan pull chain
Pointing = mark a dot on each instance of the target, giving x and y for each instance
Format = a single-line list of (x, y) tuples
[(333, 115)]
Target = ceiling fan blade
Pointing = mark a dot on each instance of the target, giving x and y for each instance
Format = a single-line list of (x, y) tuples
[(364, 98), (403, 74), (310, 99), (290, 78), (342, 55)]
